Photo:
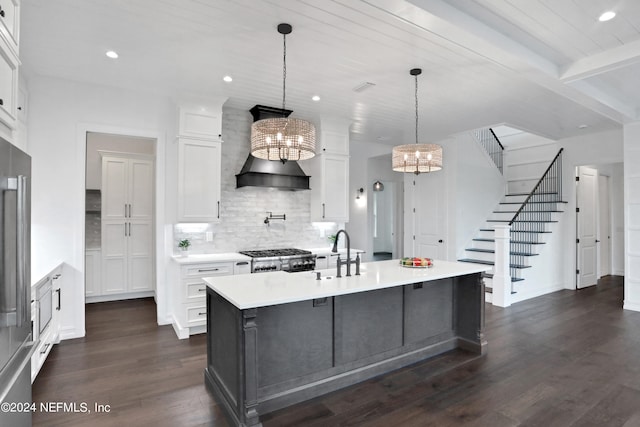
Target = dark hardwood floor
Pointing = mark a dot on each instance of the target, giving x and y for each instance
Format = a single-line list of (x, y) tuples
[(565, 359)]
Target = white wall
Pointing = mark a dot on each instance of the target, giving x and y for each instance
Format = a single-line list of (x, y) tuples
[(60, 112), (632, 216), (478, 187)]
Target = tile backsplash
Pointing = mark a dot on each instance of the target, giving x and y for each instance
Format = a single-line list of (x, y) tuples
[(243, 210)]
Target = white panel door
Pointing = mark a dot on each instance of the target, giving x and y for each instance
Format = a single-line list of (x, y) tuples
[(587, 226), (114, 257), (114, 188), (140, 189), (604, 226), (140, 257), (428, 216)]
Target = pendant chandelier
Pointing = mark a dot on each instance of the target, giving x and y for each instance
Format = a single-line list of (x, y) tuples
[(417, 158), (283, 138)]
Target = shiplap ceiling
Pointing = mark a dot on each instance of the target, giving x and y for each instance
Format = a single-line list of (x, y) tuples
[(543, 66)]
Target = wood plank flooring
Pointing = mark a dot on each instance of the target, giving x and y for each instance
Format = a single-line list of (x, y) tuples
[(565, 359)]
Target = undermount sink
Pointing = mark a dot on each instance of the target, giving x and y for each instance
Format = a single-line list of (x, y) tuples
[(327, 274)]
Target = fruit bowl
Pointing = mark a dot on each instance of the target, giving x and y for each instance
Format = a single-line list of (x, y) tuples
[(416, 262)]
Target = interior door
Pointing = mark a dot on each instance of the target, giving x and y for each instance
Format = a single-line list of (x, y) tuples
[(604, 226), (427, 216), (587, 226)]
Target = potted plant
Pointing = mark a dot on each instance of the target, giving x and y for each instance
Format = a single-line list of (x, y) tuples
[(184, 246)]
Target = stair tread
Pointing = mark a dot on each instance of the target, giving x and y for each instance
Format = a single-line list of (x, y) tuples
[(491, 251), (516, 231), (554, 211), (537, 201), (512, 241), (526, 194), (479, 261), (508, 220)]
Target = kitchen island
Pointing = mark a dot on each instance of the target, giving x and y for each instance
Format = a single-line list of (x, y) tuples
[(276, 339)]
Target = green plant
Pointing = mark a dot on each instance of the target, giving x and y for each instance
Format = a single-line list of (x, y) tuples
[(184, 244), (332, 238)]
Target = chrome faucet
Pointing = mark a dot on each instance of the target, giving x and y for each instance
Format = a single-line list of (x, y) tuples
[(348, 262)]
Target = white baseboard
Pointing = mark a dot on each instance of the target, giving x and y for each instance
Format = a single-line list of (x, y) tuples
[(69, 333), (632, 306), (119, 297), (523, 296)]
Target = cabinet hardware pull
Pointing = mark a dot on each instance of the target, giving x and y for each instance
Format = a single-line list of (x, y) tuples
[(321, 257), (56, 276), (319, 302), (59, 292), (129, 210), (46, 346), (19, 108), (2, 13), (202, 270), (201, 290), (218, 209), (323, 211), (1, 101), (202, 314), (242, 263)]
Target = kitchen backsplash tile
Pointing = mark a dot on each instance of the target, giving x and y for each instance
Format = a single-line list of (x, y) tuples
[(243, 210)]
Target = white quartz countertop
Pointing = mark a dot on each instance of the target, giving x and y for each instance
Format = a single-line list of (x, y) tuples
[(200, 258), (263, 289)]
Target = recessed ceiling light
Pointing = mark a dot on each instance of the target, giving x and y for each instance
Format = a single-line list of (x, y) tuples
[(111, 54), (227, 79), (315, 98), (583, 126), (607, 16)]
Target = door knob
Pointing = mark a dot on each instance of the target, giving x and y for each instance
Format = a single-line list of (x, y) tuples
[(597, 241)]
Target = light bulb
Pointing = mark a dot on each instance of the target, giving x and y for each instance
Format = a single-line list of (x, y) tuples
[(268, 140), (417, 154), (279, 136), (429, 157)]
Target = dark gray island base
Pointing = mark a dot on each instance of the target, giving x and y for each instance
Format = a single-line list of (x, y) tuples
[(266, 358)]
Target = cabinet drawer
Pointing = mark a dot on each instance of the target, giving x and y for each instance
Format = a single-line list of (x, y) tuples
[(195, 289), (207, 270), (196, 315), (10, 21)]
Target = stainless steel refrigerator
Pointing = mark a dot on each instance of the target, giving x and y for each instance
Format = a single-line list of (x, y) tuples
[(16, 344)]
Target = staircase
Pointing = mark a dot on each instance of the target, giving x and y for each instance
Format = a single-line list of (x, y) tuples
[(531, 217)]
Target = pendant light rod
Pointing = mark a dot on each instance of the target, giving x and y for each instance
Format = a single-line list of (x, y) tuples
[(415, 72), (284, 29)]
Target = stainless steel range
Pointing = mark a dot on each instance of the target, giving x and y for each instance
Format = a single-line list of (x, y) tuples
[(289, 260)]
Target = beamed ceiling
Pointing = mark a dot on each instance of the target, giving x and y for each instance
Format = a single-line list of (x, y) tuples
[(543, 66)]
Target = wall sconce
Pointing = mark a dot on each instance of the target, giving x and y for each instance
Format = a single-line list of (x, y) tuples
[(359, 191), (378, 186)]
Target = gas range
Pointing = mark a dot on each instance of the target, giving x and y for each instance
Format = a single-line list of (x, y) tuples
[(287, 259)]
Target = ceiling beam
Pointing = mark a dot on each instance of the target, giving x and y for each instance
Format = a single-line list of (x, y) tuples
[(602, 62), (453, 25)]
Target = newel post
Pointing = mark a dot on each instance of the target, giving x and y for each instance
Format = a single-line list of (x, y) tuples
[(501, 273)]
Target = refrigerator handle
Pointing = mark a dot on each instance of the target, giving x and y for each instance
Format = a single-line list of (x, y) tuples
[(23, 287), (19, 184)]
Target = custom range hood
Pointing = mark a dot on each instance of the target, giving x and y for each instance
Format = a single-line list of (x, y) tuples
[(267, 173)]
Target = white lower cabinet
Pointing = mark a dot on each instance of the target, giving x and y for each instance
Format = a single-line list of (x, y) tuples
[(92, 272), (46, 311), (189, 294)]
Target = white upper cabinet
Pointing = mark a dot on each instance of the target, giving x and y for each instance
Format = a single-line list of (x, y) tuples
[(199, 170), (9, 62), (334, 136), (329, 188), (199, 161), (10, 23), (329, 171), (201, 120)]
